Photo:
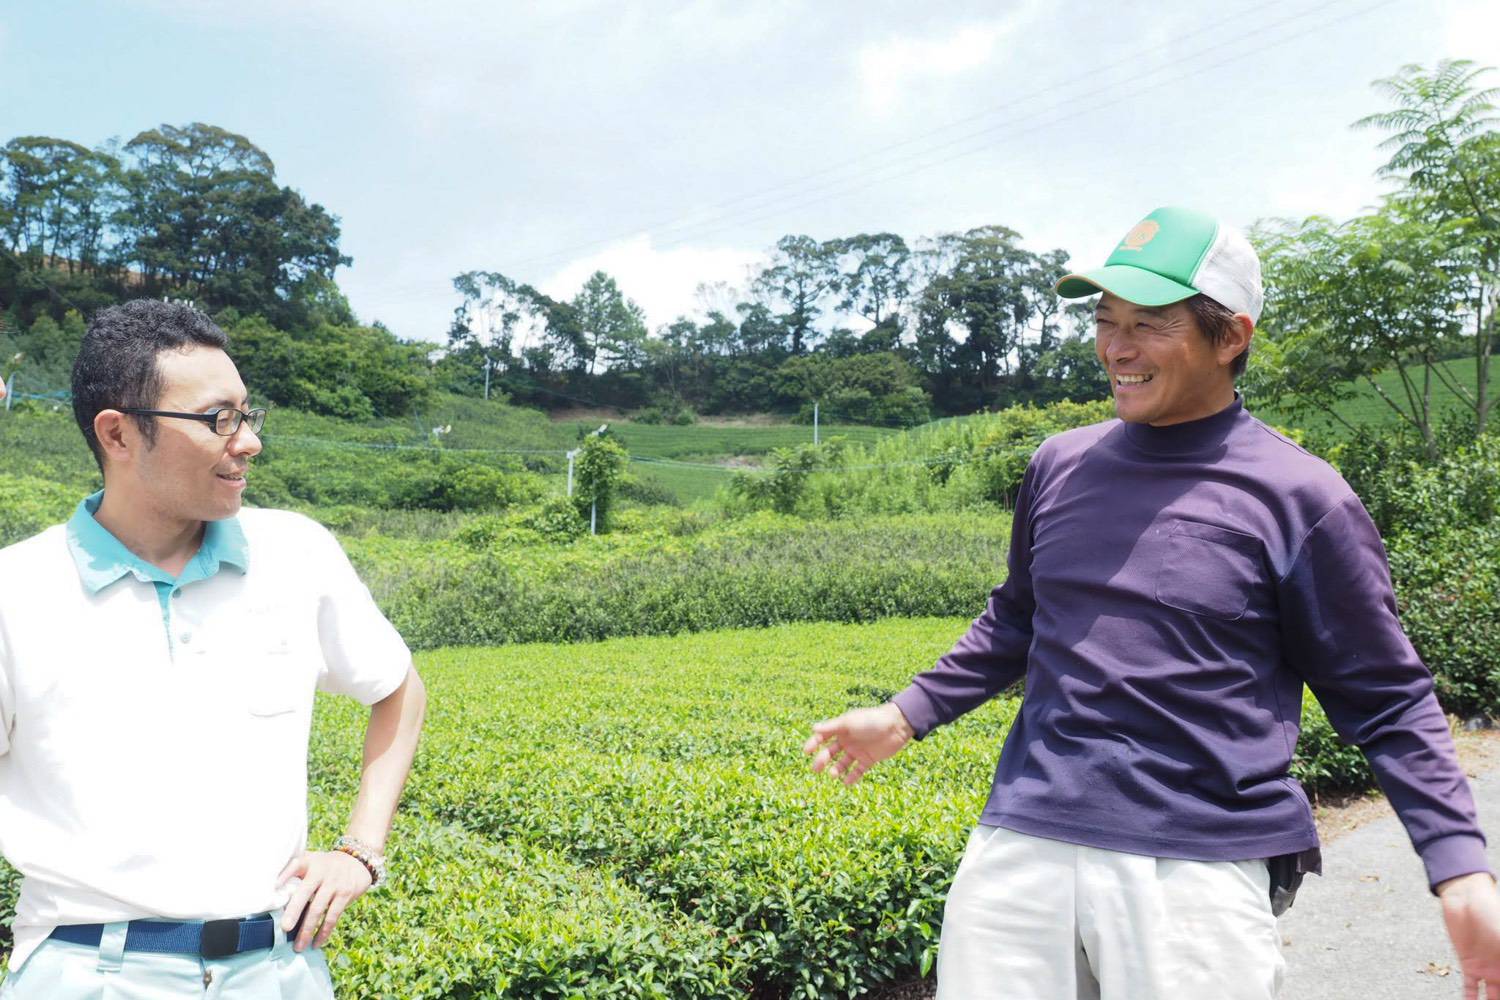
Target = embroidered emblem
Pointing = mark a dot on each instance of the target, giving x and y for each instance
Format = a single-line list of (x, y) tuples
[(1142, 234)]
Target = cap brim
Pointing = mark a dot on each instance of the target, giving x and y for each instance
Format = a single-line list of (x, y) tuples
[(1133, 284)]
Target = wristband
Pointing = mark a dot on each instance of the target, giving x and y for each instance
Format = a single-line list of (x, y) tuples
[(366, 855)]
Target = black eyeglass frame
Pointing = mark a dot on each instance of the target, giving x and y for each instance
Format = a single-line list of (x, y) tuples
[(256, 417)]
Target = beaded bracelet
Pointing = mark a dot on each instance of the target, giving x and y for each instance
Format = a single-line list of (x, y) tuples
[(366, 855)]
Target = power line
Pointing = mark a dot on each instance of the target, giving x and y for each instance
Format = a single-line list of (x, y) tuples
[(876, 154), (392, 446), (695, 228), (840, 189)]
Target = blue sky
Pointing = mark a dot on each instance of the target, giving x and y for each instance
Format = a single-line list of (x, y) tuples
[(672, 143)]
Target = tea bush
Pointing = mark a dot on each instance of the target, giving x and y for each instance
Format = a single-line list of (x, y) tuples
[(764, 570), (28, 504), (1448, 591), (962, 464)]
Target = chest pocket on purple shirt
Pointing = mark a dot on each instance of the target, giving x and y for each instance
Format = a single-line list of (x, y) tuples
[(1209, 570)]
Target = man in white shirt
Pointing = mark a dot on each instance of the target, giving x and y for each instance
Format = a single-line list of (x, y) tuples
[(159, 655)]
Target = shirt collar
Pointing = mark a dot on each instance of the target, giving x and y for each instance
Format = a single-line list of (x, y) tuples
[(1193, 436), (102, 558)]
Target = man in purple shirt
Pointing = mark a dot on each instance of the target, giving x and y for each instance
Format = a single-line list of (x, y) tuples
[(1175, 577)]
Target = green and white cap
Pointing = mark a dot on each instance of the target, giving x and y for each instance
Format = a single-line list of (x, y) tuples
[(1173, 254)]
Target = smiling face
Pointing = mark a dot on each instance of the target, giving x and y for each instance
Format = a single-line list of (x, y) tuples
[(190, 473), (1162, 368)]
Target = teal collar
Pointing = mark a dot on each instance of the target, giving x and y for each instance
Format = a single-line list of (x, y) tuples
[(102, 558)]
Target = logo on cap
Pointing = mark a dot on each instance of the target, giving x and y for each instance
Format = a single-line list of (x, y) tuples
[(1142, 234)]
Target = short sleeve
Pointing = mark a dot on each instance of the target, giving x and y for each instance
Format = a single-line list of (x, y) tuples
[(364, 656)]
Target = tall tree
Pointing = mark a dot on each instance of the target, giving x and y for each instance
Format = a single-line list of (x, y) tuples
[(981, 301), (800, 275), (1445, 151), (1352, 301), (874, 275), (207, 220), (613, 327), (58, 199)]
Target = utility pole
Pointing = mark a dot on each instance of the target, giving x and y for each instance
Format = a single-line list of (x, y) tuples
[(594, 505), (815, 422)]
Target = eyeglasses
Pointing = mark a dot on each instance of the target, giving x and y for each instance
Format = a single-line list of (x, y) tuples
[(225, 420)]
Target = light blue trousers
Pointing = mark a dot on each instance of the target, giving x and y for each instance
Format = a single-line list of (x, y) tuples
[(61, 971)]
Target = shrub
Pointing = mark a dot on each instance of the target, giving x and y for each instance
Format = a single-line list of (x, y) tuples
[(601, 466), (1448, 590), (642, 823), (969, 463), (555, 520), (28, 504), (675, 414), (783, 486), (1323, 762), (763, 570)]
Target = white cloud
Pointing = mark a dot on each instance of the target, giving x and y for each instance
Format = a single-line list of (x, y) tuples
[(892, 67), (663, 282)]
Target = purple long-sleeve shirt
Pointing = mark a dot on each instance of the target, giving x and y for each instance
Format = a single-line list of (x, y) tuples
[(1170, 589)]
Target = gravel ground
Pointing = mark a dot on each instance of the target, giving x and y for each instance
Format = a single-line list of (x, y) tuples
[(1369, 927)]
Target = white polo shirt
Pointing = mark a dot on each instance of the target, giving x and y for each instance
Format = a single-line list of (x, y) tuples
[(153, 730)]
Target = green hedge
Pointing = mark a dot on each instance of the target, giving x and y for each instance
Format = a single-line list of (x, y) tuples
[(1448, 589), (961, 464), (673, 766), (764, 570), (28, 504)]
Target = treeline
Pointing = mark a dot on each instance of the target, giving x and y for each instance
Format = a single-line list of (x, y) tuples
[(189, 212), (192, 212), (871, 327)]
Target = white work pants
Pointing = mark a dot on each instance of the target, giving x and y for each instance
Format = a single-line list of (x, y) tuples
[(1035, 919)]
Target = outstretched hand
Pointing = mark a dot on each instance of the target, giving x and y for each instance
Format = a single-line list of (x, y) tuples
[(1471, 909), (852, 743)]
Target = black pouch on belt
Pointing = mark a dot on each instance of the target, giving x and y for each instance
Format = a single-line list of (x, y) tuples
[(1287, 871)]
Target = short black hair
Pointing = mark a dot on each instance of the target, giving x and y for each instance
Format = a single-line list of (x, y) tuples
[(1217, 321), (117, 362)]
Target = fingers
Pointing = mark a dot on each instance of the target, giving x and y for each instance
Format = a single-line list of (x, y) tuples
[(335, 910), (315, 913), (829, 753), (295, 905), (848, 767), (821, 733), (297, 866), (855, 772)]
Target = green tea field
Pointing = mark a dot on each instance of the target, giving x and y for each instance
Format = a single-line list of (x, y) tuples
[(635, 818)]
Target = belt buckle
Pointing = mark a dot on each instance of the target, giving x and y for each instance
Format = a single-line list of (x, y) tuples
[(221, 938)]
